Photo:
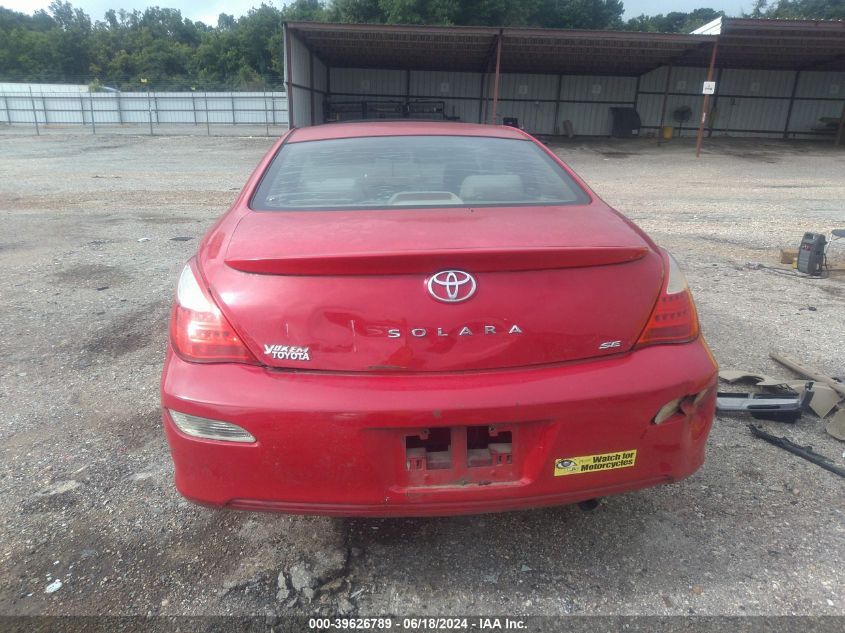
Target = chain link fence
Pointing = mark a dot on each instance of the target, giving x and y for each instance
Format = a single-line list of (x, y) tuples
[(33, 111)]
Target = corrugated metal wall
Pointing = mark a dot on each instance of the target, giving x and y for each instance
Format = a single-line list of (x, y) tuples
[(530, 98), (196, 108), (6, 87), (301, 83), (684, 91), (308, 84), (586, 101), (320, 85), (752, 102), (367, 81), (748, 102), (818, 94)]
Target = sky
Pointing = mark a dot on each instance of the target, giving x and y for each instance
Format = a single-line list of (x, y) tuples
[(196, 10), (208, 10)]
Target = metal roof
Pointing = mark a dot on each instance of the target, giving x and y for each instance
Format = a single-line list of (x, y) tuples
[(743, 43), (388, 46), (599, 52), (782, 44)]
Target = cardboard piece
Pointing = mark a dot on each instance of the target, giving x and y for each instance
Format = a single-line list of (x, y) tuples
[(836, 425), (787, 255), (761, 380), (824, 398)]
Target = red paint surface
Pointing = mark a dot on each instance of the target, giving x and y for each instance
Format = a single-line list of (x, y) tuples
[(331, 431)]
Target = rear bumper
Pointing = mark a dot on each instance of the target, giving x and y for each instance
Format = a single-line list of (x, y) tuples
[(335, 444)]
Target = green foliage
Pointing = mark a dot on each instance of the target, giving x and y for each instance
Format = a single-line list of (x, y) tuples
[(167, 50), (800, 9), (573, 14), (158, 45), (674, 22)]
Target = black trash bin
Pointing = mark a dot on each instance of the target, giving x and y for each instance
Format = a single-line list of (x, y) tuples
[(626, 123)]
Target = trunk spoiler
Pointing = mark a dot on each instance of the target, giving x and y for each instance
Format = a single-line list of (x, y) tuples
[(427, 261)]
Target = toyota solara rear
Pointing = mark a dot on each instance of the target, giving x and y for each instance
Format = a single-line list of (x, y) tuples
[(429, 318)]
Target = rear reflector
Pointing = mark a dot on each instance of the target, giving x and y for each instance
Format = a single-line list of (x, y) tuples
[(209, 429), (674, 319)]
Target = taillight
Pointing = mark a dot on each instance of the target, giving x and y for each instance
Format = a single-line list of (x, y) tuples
[(673, 319), (198, 330)]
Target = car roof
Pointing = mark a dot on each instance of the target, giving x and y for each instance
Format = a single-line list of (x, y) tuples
[(401, 128)]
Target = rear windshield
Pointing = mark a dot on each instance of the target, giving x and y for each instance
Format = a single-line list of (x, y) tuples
[(418, 171)]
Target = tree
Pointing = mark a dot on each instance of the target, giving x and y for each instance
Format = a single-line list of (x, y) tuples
[(306, 11), (674, 22), (800, 9)]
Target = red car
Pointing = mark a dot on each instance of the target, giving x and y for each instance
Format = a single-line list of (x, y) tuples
[(419, 318)]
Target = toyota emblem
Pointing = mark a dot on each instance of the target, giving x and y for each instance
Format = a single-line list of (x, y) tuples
[(451, 286)]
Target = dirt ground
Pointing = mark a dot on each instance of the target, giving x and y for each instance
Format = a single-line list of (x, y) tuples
[(95, 231)]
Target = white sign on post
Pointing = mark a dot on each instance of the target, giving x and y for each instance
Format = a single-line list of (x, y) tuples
[(709, 88)]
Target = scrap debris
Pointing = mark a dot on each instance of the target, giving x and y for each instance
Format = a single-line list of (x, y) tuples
[(805, 452), (761, 380), (822, 394), (763, 406), (836, 425), (809, 372)]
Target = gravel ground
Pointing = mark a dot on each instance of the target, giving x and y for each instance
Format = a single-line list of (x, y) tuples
[(95, 231)]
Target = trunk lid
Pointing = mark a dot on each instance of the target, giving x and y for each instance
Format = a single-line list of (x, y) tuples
[(349, 291)]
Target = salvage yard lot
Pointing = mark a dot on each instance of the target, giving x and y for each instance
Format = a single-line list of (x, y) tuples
[(95, 232)]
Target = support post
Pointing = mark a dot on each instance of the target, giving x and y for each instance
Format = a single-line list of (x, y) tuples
[(150, 112), (496, 83), (328, 96), (407, 91), (663, 108), (715, 105), (207, 122), (194, 105), (840, 133), (791, 103), (311, 85), (118, 98), (706, 101), (288, 70), (266, 117), (481, 98), (232, 99), (555, 122), (34, 113), (91, 107)]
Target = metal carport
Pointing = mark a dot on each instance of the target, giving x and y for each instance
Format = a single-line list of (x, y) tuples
[(775, 78)]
